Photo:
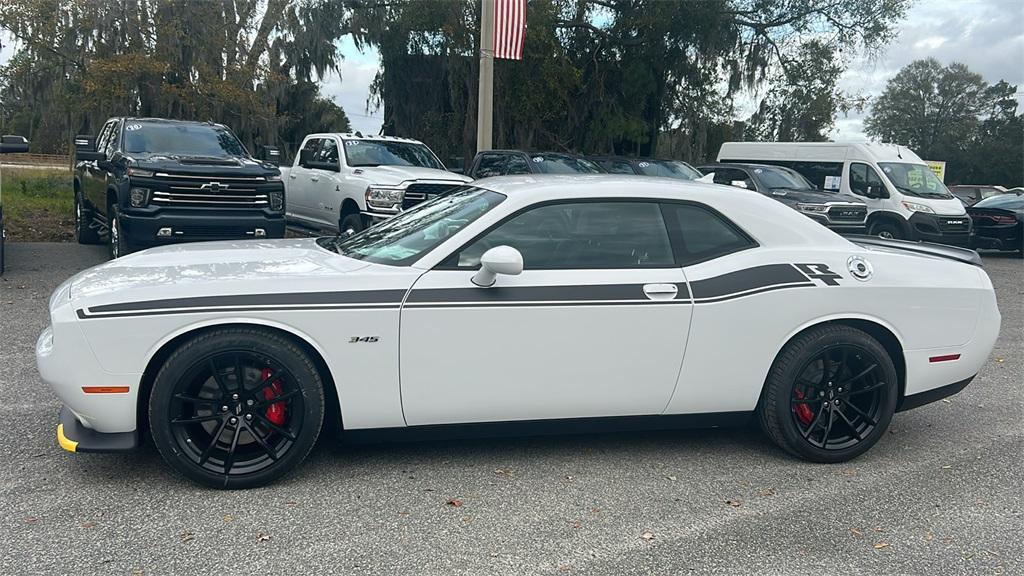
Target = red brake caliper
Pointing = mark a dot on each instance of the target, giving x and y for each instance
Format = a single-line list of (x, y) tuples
[(803, 411), (275, 412)]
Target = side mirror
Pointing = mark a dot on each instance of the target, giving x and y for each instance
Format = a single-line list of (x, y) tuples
[(85, 149), (305, 157), (12, 144), (739, 183), (498, 260), (272, 155)]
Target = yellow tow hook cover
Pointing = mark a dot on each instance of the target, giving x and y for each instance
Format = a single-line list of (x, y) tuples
[(64, 441)]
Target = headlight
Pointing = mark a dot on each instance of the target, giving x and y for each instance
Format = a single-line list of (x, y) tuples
[(814, 208), (140, 173), (277, 200), (915, 207), (274, 178), (139, 197), (384, 197)]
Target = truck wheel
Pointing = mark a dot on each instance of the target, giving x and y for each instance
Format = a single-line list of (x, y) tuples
[(830, 395), (3, 239), (236, 408), (85, 232), (886, 229), (351, 224), (118, 242)]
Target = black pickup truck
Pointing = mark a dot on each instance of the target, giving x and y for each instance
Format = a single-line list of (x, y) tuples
[(8, 145), (148, 181)]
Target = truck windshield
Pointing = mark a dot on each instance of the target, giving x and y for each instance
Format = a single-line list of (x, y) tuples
[(389, 153), (181, 139), (782, 178), (667, 169), (915, 180), (401, 240)]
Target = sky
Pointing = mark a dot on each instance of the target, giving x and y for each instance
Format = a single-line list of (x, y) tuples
[(986, 35)]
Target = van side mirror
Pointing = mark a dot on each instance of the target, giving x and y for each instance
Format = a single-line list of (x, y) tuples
[(85, 149), (10, 144), (271, 155), (498, 260)]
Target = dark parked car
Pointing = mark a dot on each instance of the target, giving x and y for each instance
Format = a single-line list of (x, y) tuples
[(506, 162), (971, 194), (647, 167), (148, 181), (843, 213), (8, 145), (999, 222)]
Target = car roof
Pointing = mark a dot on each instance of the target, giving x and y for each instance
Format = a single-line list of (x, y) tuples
[(741, 165), (361, 136), (151, 120), (532, 152)]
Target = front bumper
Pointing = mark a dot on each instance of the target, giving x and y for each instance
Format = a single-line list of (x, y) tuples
[(1008, 237), (143, 227), (838, 227), (952, 230), (74, 437)]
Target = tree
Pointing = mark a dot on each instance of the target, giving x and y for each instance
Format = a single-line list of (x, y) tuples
[(950, 113)]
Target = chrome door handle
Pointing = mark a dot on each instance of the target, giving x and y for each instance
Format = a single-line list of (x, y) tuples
[(314, 178), (661, 291), (292, 176)]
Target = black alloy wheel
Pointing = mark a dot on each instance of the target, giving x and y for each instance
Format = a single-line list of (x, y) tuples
[(236, 408), (830, 395)]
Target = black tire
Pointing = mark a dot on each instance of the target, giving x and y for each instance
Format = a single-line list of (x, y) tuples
[(858, 394), (887, 229), (117, 241), (85, 232), (233, 449), (351, 223), (3, 239)]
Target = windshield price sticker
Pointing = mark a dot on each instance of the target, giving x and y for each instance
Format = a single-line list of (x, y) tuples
[(832, 182)]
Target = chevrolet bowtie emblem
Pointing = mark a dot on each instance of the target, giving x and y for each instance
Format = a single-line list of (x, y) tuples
[(214, 187)]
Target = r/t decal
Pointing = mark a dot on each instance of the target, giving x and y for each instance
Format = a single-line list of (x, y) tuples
[(820, 272)]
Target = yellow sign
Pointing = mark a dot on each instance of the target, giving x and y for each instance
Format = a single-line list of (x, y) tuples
[(938, 167)]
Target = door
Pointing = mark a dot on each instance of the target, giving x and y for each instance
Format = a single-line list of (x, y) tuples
[(94, 180), (595, 325), (324, 184), (299, 183)]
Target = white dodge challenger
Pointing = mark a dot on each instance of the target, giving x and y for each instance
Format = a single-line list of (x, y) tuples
[(518, 304)]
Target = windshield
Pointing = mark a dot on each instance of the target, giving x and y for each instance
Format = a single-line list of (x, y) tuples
[(389, 153), (1005, 201), (181, 139), (401, 240), (557, 164), (915, 180), (782, 178), (667, 169)]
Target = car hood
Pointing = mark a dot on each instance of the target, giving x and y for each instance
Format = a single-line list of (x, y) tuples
[(791, 196), (394, 175), (200, 165), (232, 267)]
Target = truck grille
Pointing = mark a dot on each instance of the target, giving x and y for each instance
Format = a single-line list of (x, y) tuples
[(955, 223), (847, 213), (183, 190), (419, 192)]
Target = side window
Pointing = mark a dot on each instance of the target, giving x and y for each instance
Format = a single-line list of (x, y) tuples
[(517, 165), (328, 152), (489, 165), (617, 167), (104, 136), (585, 235), (112, 137), (727, 176), (311, 145), (703, 234), (863, 176), (823, 175)]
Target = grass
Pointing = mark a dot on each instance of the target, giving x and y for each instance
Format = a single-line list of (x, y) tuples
[(38, 204)]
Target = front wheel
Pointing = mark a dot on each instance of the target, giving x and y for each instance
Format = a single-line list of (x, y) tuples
[(236, 408), (830, 395), (117, 240), (888, 230), (351, 224)]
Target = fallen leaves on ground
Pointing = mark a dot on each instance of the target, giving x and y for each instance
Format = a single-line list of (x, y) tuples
[(881, 545), (734, 503), (186, 536), (671, 478), (89, 524), (261, 537), (647, 536), (856, 532), (455, 502)]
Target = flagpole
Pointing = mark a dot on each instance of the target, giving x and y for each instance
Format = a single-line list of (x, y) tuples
[(485, 110)]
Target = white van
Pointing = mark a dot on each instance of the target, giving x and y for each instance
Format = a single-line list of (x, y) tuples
[(904, 197)]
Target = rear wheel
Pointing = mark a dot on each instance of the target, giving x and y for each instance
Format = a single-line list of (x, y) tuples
[(886, 229), (830, 395), (236, 408), (85, 231)]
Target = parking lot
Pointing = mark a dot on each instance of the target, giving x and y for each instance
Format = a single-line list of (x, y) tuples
[(940, 495)]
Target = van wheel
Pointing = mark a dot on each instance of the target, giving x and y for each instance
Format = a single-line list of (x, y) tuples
[(830, 395), (888, 230), (85, 231)]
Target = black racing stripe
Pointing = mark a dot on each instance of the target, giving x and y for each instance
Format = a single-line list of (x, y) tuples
[(644, 302), (86, 316), (743, 280), (757, 291), (574, 293), (238, 301)]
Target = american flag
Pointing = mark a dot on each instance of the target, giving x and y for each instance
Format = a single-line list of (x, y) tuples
[(509, 28)]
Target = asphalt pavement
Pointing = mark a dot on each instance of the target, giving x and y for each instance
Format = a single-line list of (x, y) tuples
[(940, 494)]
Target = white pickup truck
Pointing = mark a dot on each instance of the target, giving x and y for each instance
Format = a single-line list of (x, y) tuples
[(345, 182)]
